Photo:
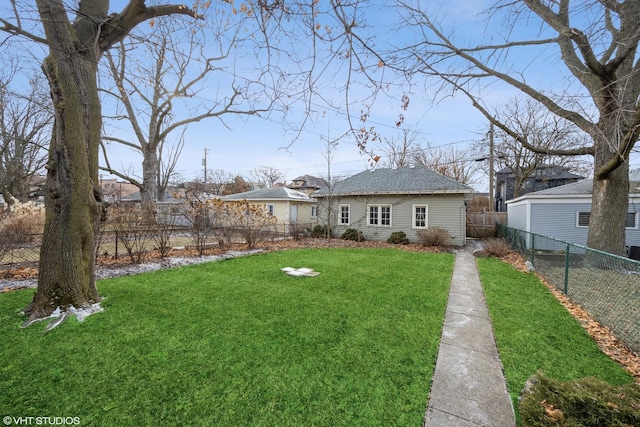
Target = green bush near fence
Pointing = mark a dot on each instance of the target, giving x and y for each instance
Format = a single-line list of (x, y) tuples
[(586, 402)]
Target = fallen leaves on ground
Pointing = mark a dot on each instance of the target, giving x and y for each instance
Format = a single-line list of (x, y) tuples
[(606, 340), (19, 273)]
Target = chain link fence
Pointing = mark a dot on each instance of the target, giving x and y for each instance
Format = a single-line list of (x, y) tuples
[(606, 285), (25, 253)]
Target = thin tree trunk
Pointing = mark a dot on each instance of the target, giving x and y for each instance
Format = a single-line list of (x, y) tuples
[(150, 170)]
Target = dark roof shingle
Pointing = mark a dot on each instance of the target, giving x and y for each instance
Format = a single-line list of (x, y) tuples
[(401, 180)]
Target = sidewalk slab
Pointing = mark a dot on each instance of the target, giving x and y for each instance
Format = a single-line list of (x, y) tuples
[(468, 387)]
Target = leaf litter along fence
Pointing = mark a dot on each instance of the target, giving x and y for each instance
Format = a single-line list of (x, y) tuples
[(606, 285), (135, 243)]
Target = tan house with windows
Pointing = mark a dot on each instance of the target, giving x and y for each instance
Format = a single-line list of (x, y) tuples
[(381, 201), (287, 205)]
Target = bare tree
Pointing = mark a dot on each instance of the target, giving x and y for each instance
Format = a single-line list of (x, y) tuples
[(266, 175), (159, 87), (409, 150), (25, 125), (597, 41), (396, 152), (542, 129), (76, 38), (448, 161), (216, 181)]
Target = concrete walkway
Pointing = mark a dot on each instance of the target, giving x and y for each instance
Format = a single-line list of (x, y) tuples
[(468, 385)]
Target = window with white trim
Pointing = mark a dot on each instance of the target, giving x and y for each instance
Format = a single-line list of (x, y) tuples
[(582, 219), (379, 215), (631, 220), (420, 216), (271, 209), (314, 211), (344, 214)]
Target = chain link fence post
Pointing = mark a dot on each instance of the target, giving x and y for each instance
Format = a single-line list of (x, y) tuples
[(607, 286)]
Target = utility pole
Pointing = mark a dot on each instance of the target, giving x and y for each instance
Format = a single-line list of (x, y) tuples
[(492, 202), (204, 164), (329, 195)]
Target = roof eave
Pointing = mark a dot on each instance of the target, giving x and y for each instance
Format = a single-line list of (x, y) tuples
[(399, 193)]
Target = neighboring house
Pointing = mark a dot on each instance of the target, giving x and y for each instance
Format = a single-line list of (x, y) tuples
[(287, 205), (171, 211), (37, 185), (255, 185), (381, 201), (543, 177), (563, 212), (308, 184), (116, 191)]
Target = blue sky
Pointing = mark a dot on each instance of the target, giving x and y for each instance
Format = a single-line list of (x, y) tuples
[(245, 144), (249, 143)]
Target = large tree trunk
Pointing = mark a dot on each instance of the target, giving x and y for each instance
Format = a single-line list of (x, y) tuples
[(609, 203), (73, 199), (610, 199)]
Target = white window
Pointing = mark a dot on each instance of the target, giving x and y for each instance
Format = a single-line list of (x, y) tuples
[(379, 215), (344, 212), (631, 220), (583, 219), (314, 211), (420, 216), (271, 209)]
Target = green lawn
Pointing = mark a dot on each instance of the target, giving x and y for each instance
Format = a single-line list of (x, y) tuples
[(239, 343), (535, 332)]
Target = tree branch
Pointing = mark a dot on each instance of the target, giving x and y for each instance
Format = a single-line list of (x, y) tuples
[(16, 30), (626, 144), (581, 151), (121, 175), (118, 25)]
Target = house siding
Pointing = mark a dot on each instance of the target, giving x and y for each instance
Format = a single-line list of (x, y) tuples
[(557, 218), (445, 211), (282, 211), (559, 221), (517, 216), (633, 234)]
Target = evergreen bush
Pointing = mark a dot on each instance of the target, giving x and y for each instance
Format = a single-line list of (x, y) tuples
[(398, 238), (352, 234)]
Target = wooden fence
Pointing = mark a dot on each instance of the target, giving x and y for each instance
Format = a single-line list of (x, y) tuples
[(483, 224)]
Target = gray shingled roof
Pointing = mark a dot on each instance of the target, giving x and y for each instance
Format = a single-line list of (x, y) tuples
[(402, 180), (577, 188), (311, 181), (273, 193)]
